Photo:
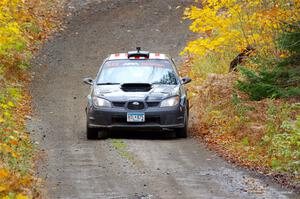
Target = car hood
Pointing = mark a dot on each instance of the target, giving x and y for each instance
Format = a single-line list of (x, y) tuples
[(156, 93)]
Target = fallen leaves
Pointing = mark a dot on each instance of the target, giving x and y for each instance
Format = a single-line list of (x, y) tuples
[(24, 25), (3, 173), (16, 151), (236, 127)]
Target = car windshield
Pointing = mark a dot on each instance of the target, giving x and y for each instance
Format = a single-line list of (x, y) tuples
[(137, 71)]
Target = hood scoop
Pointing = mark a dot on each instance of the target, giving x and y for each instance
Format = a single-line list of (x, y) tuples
[(136, 87)]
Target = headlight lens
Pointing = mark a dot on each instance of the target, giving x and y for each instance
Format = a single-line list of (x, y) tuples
[(100, 102), (172, 101)]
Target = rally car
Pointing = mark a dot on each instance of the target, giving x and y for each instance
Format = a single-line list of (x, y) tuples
[(137, 90)]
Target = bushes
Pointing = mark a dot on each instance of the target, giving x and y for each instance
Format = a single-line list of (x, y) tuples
[(284, 147), (268, 83), (282, 138), (258, 134), (281, 80)]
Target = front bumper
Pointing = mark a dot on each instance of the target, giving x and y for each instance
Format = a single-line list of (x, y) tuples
[(155, 118)]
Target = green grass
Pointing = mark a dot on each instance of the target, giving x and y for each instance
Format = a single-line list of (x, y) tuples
[(118, 144), (121, 147)]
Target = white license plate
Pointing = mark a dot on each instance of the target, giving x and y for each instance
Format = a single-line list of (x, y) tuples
[(135, 117)]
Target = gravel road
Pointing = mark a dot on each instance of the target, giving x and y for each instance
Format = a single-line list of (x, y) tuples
[(130, 164)]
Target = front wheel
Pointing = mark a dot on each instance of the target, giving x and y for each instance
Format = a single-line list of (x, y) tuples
[(91, 133), (103, 134), (182, 132)]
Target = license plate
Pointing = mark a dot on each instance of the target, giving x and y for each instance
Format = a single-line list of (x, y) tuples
[(135, 117)]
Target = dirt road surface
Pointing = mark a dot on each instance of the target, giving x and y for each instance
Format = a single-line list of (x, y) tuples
[(130, 164)]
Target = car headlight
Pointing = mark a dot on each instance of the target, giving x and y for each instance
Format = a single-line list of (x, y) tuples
[(172, 101), (100, 102)]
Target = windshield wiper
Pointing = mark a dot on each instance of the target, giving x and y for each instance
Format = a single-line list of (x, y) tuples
[(108, 83)]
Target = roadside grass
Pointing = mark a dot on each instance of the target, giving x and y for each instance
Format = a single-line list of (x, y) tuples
[(25, 25), (262, 135)]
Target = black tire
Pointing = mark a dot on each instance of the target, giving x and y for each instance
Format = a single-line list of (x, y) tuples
[(182, 132), (103, 134), (91, 133)]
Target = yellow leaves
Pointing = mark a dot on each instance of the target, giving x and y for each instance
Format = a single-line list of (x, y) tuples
[(3, 173), (20, 196), (255, 36), (16, 155), (228, 25), (4, 106), (15, 33), (23, 23), (10, 104), (11, 182), (3, 188), (10, 32), (5, 148), (283, 55)]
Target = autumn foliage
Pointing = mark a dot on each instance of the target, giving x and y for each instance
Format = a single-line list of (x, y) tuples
[(24, 25), (262, 134), (226, 27)]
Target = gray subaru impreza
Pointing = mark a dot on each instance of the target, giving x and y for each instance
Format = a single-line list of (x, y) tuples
[(137, 90)]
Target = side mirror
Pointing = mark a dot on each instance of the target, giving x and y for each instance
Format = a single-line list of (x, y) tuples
[(88, 81), (186, 80)]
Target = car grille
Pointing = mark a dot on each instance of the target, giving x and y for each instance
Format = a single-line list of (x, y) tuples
[(135, 105)]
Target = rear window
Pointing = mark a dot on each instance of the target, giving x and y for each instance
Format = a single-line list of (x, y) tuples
[(137, 71)]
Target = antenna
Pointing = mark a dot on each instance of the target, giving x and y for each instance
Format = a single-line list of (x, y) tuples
[(138, 49)]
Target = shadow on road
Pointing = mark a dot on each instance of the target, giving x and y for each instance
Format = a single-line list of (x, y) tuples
[(142, 135)]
